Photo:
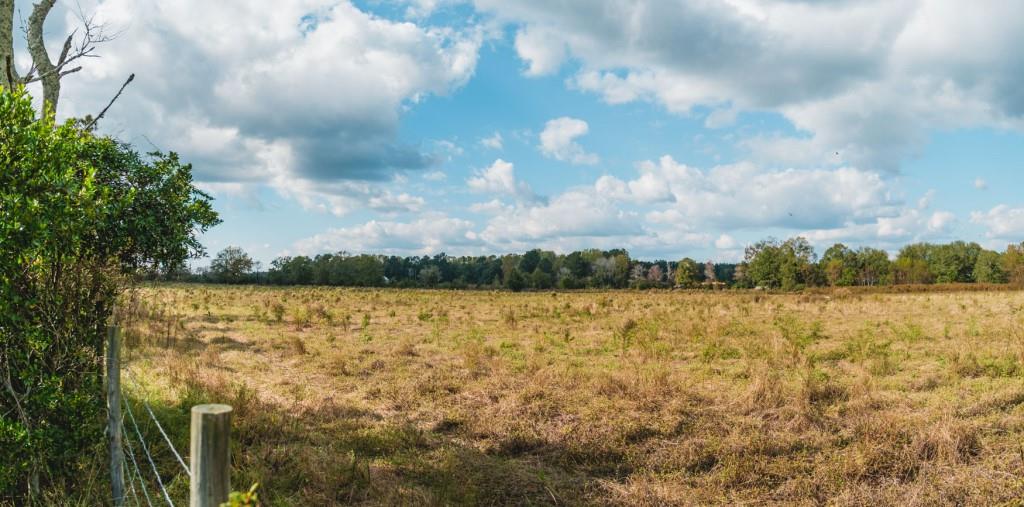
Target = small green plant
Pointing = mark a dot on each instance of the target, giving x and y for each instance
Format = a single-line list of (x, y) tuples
[(508, 316), (297, 345), (909, 332), (876, 355), (625, 334), (796, 333), (972, 365), (277, 310), (303, 318), (716, 350), (243, 499), (324, 314)]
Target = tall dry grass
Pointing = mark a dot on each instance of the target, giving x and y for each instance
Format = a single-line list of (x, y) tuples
[(386, 397)]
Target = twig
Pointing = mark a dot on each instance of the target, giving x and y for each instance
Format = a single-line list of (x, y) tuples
[(33, 482), (104, 111), (155, 147)]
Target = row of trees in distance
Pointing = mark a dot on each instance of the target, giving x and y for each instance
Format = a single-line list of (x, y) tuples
[(771, 264)]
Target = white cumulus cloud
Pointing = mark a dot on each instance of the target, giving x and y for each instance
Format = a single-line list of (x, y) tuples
[(744, 195), (542, 50), (499, 178), (494, 142), (1002, 222), (558, 141), (863, 97), (301, 97), (430, 234)]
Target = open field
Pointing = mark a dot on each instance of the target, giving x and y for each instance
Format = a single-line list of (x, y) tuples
[(387, 397)]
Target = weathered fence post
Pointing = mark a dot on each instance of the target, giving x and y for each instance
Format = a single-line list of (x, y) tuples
[(114, 414), (210, 457)]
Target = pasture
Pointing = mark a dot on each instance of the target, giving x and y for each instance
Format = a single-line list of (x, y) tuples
[(391, 397)]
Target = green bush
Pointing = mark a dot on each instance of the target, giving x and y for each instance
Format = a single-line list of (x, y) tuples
[(79, 215)]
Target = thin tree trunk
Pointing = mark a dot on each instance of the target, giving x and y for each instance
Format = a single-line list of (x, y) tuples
[(40, 58), (7, 44)]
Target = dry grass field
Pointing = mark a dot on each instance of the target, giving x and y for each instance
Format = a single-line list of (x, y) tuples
[(403, 397)]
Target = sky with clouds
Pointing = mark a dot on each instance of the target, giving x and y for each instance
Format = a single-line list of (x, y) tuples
[(668, 127)]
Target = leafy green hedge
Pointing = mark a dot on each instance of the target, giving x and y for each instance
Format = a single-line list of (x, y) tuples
[(79, 216)]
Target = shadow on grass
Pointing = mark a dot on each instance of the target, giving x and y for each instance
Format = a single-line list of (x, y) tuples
[(337, 454)]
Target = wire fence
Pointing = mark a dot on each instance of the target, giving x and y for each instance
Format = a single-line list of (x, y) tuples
[(132, 449), (137, 474)]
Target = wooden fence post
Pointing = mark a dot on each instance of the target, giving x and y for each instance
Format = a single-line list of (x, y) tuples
[(114, 415), (210, 456)]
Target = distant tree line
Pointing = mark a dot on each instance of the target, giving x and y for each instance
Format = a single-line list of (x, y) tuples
[(770, 264)]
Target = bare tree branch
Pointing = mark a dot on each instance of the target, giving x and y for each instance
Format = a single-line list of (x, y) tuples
[(92, 122), (43, 68), (70, 71), (67, 47)]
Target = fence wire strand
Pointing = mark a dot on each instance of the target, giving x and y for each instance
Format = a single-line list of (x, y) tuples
[(167, 439), (135, 465), (131, 480), (149, 457), (160, 427)]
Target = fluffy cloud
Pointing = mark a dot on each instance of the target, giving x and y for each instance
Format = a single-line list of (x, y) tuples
[(649, 188), (492, 206), (1002, 222), (676, 203), (494, 142), (343, 197), (395, 203), (579, 218), (745, 196), (500, 178), (725, 242), (558, 141), (860, 97), (573, 214), (302, 98), (668, 210), (311, 104), (670, 207), (430, 234), (543, 51), (890, 232)]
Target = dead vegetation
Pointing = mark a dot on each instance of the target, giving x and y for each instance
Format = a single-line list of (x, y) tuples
[(386, 397)]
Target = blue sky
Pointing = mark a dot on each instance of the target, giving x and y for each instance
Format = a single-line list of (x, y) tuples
[(670, 128)]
